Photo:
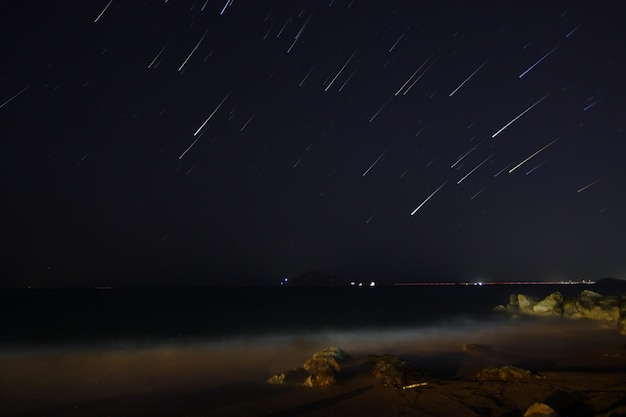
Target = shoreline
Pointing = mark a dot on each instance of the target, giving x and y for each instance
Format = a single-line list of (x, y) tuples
[(582, 359)]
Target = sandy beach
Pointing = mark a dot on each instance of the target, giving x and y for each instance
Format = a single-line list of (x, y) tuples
[(579, 367)]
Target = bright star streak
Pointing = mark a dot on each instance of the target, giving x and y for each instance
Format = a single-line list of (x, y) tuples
[(103, 10), (475, 168), (588, 185), (532, 170), (533, 155), (211, 115), (400, 38), (428, 198), (460, 158), (413, 75), (14, 97), (158, 55), (519, 115), (539, 61), (592, 104), (246, 124), (418, 78), (375, 162), (190, 146), (573, 30), (192, 51), (341, 70), (381, 109), (502, 170), (470, 77), (299, 33)]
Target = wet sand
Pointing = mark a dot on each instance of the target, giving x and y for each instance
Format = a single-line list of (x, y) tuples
[(581, 367)]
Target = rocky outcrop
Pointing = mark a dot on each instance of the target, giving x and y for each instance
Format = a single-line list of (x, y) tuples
[(587, 305), (394, 372), (504, 373), (541, 410), (324, 366), (328, 366), (476, 349), (321, 369)]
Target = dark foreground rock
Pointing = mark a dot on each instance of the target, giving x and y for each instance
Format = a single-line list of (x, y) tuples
[(504, 373), (394, 372), (587, 305), (321, 369)]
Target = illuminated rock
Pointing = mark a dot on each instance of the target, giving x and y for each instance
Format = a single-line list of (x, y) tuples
[(541, 410), (587, 305), (526, 303), (504, 373), (393, 372), (321, 369), (551, 306)]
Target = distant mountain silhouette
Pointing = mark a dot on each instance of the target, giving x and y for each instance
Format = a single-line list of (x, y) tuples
[(610, 281), (314, 279)]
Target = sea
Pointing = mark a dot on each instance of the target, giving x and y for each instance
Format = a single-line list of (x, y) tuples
[(145, 316), (60, 347)]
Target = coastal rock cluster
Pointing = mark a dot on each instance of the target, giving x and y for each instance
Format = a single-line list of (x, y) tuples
[(327, 366), (587, 305), (321, 369)]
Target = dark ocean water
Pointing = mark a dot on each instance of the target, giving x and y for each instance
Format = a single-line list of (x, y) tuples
[(58, 317)]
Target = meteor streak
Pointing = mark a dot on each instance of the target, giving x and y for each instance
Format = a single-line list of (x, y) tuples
[(14, 96), (519, 115), (341, 70), (428, 198), (211, 115), (103, 10), (470, 77), (539, 61), (475, 168), (413, 75), (588, 185), (533, 155), (375, 162)]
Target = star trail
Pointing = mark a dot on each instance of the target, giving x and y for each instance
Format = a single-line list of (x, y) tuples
[(198, 142)]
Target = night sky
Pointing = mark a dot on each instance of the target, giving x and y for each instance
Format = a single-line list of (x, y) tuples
[(243, 141)]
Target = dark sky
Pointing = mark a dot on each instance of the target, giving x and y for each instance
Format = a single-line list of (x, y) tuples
[(210, 142)]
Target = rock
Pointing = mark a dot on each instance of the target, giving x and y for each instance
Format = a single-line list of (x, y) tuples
[(593, 306), (551, 306), (327, 358), (393, 372), (540, 410), (526, 304), (295, 376), (504, 373), (321, 377), (587, 305), (475, 349), (321, 369)]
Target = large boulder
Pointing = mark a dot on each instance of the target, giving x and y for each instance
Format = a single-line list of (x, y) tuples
[(323, 366), (551, 306), (587, 305), (394, 372), (541, 410), (526, 303), (593, 306), (504, 373), (321, 369)]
